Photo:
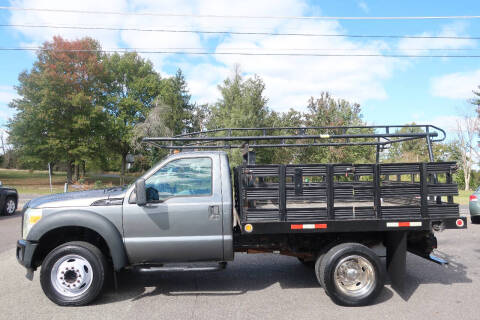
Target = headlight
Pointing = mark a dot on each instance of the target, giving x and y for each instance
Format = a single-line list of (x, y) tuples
[(31, 217)]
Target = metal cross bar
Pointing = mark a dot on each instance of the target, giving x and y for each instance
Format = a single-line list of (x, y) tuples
[(299, 137), (303, 130)]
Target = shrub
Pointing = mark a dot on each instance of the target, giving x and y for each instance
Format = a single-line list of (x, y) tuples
[(98, 184)]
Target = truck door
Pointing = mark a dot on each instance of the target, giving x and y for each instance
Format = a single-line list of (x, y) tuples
[(182, 219)]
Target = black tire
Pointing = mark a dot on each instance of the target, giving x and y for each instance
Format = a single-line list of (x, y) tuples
[(366, 264), (10, 206), (307, 263), (318, 262), (98, 273), (475, 219)]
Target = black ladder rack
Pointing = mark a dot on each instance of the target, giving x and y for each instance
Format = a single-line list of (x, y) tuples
[(280, 137)]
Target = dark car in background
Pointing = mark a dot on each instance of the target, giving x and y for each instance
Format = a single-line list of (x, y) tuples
[(8, 200), (474, 206)]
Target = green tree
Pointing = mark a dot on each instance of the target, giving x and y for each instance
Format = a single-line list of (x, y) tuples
[(133, 86), (172, 113), (59, 117), (291, 118), (411, 150), (155, 125), (179, 112), (476, 99), (242, 105), (327, 111)]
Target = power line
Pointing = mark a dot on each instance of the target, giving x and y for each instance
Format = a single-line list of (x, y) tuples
[(238, 32), (242, 53), (164, 14), (301, 49), (162, 49)]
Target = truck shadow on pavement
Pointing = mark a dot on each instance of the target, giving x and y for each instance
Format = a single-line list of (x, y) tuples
[(253, 273), (246, 275), (421, 271)]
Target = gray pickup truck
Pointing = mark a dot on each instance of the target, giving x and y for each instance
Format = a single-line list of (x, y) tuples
[(185, 209)]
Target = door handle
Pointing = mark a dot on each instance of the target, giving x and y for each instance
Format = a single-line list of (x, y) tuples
[(213, 213)]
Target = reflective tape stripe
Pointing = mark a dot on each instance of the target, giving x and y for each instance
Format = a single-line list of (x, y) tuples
[(404, 224), (308, 226)]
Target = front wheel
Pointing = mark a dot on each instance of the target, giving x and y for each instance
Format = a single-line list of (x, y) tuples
[(10, 206), (351, 274), (73, 274)]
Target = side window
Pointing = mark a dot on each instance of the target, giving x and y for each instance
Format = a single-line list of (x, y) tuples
[(180, 178)]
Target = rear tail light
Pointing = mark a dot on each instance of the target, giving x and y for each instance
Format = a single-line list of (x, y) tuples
[(473, 198), (460, 223)]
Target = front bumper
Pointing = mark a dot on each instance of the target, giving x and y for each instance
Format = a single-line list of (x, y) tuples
[(25, 251)]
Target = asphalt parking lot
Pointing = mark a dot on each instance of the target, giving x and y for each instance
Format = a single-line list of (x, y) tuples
[(256, 287)]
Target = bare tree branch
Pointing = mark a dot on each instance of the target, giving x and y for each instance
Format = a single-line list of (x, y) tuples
[(467, 135)]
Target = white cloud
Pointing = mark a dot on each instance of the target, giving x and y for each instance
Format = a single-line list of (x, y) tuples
[(363, 6), (424, 46), (204, 79), (36, 36), (7, 94), (457, 85), (290, 81), (447, 123)]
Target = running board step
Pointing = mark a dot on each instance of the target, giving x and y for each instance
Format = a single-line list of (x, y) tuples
[(221, 266)]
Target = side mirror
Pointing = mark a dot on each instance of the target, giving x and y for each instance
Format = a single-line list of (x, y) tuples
[(141, 192)]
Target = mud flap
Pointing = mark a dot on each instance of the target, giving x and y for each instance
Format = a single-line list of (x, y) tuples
[(396, 244), (29, 274)]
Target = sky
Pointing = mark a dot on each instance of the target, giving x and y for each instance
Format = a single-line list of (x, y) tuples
[(390, 90)]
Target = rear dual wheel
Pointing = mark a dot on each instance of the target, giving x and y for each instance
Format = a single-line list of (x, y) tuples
[(351, 274)]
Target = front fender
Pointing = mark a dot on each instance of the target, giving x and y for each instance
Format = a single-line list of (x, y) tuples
[(87, 219), (11, 193)]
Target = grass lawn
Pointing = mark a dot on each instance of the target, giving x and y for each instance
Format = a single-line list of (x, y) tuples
[(37, 182), (463, 197)]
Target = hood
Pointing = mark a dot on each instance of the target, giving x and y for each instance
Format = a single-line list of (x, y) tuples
[(3, 187), (77, 198)]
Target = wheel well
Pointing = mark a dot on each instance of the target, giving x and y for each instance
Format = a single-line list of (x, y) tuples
[(12, 196), (306, 246), (59, 236)]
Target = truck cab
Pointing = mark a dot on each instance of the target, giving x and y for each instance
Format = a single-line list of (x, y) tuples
[(178, 211), (187, 214)]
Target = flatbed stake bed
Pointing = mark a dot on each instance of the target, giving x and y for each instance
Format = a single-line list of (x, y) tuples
[(331, 217)]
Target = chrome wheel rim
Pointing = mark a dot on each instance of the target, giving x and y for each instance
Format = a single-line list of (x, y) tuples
[(10, 207), (354, 276), (71, 275)]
